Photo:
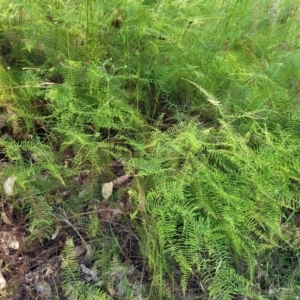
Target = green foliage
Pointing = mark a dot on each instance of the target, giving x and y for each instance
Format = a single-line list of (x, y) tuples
[(70, 274), (198, 99), (210, 203)]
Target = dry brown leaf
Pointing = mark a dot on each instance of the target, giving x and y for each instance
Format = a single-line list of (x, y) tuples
[(107, 189), (108, 213), (9, 184), (121, 179), (2, 282), (55, 234), (110, 289), (7, 240), (5, 218)]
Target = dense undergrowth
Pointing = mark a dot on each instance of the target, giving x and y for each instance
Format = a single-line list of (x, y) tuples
[(198, 101)]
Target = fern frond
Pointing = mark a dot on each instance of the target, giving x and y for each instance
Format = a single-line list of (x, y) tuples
[(44, 158), (227, 284), (72, 285)]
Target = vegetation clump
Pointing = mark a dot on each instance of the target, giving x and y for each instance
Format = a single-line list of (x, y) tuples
[(150, 149)]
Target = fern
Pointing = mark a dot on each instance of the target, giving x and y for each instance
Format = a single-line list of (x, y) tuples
[(198, 99), (227, 284), (40, 217), (70, 275), (44, 158), (211, 178)]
